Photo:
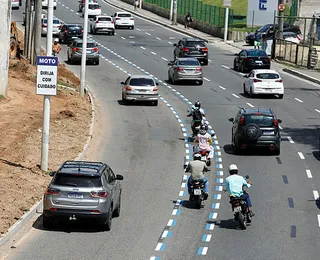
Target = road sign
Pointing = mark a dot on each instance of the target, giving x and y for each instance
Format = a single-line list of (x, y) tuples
[(281, 7), (227, 3), (47, 72)]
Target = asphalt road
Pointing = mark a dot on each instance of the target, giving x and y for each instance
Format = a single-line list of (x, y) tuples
[(286, 224)]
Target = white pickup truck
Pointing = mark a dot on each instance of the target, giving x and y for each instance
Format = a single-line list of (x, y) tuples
[(101, 23)]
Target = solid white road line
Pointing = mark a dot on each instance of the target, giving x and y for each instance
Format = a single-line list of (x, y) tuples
[(235, 95), (250, 105), (301, 156), (206, 79), (299, 100), (143, 48), (222, 87), (316, 195), (226, 67), (290, 140), (308, 172)]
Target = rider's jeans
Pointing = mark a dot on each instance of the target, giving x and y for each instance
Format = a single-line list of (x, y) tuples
[(204, 180), (247, 198)]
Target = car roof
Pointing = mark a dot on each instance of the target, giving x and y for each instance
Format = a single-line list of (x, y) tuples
[(123, 13), (103, 16), (266, 111), (187, 59), (193, 39), (80, 40), (73, 24), (93, 3), (266, 71), (83, 168), (141, 76)]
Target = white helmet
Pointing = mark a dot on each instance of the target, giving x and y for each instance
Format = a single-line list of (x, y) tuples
[(233, 169), (56, 40)]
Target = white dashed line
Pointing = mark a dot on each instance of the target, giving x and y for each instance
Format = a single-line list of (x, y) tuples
[(72, 11), (308, 172), (317, 110), (147, 33), (159, 245), (319, 220), (290, 140), (143, 48), (138, 29), (170, 43), (226, 67), (122, 38), (206, 79), (164, 58), (153, 53), (315, 194), (235, 95), (132, 42), (210, 60), (301, 156), (158, 38), (222, 87), (208, 238), (299, 100), (171, 38), (250, 105)]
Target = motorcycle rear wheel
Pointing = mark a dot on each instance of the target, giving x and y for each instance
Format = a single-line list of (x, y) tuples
[(198, 203), (241, 220)]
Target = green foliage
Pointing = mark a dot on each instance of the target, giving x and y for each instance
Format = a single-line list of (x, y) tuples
[(2, 97), (239, 7)]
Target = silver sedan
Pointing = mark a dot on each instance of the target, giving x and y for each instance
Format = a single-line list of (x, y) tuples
[(185, 69)]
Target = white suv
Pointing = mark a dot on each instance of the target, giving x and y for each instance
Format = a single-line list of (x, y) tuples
[(123, 19), (45, 4)]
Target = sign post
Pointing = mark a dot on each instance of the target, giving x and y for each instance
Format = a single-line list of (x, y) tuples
[(47, 69), (227, 4)]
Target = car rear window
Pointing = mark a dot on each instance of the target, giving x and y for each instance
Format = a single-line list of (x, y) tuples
[(54, 21), (256, 53), (189, 63), (89, 45), (260, 120), (75, 28), (93, 7), (76, 180), (124, 15), (106, 19), (267, 76), (141, 82), (195, 43), (289, 35)]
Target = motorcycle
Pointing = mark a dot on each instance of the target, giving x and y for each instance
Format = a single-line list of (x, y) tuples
[(197, 193), (204, 155)]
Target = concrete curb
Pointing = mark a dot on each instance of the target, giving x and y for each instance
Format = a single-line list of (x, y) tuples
[(37, 208), (302, 75)]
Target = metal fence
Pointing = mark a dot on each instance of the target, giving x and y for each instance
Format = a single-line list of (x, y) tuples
[(202, 12)]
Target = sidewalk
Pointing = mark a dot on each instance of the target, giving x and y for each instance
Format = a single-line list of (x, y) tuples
[(233, 47)]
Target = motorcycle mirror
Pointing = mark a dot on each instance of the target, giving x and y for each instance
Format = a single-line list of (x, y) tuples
[(247, 177), (212, 135)]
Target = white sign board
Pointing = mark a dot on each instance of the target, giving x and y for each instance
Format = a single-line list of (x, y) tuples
[(261, 12), (227, 3), (47, 74)]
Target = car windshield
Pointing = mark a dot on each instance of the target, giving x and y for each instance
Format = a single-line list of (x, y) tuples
[(76, 180), (89, 45), (267, 76), (141, 82), (256, 53), (260, 120), (104, 19), (93, 7), (75, 28), (195, 44), (264, 28), (124, 15), (189, 63)]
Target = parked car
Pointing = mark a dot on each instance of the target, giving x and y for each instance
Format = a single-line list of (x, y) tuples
[(250, 59), (70, 32), (45, 4), (56, 27), (75, 49), (263, 82), (292, 37), (82, 2), (140, 88), (94, 9), (192, 48), (15, 4), (255, 127), (185, 69), (123, 20), (267, 32), (101, 23), (82, 190)]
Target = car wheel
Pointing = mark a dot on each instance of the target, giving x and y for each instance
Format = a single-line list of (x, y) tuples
[(244, 89), (242, 68), (252, 132), (169, 78), (205, 62), (155, 103), (235, 149), (276, 151), (96, 62), (280, 96), (54, 8), (116, 212), (173, 81), (124, 101), (108, 221), (132, 27), (112, 33), (46, 222), (200, 82), (234, 66), (251, 93)]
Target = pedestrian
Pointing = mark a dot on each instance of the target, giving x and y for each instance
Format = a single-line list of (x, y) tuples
[(135, 4), (188, 21), (257, 40)]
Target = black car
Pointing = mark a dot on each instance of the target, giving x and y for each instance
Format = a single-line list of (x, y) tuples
[(70, 32), (250, 59), (267, 32), (255, 127), (192, 48)]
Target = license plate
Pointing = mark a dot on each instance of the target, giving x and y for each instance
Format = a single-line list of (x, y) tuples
[(268, 133), (88, 51), (75, 196), (74, 37), (203, 158), (197, 192), (237, 209), (258, 62)]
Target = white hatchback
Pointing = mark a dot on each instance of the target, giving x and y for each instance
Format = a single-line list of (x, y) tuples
[(123, 19), (267, 82), (94, 9), (56, 26), (45, 4)]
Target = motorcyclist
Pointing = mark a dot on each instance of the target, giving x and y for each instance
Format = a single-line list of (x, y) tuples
[(56, 48), (188, 21), (204, 140), (196, 168), (235, 184), (197, 114)]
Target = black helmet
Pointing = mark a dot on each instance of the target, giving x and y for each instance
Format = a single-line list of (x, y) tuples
[(197, 156), (203, 130), (197, 104)]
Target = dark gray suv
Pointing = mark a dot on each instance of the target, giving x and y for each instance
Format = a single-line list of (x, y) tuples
[(255, 127), (83, 190)]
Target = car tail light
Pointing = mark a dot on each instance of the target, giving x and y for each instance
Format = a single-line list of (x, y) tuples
[(241, 121), (205, 49), (155, 89), (185, 49), (76, 49), (66, 31), (95, 49), (44, 26), (81, 30), (275, 122), (131, 18), (198, 69), (95, 211), (52, 191), (53, 209), (279, 80), (128, 88), (59, 26), (112, 21), (266, 59), (257, 80), (248, 59), (179, 69), (100, 194), (118, 18)]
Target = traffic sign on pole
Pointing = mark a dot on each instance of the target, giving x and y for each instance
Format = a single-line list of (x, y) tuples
[(47, 70), (282, 7), (227, 3)]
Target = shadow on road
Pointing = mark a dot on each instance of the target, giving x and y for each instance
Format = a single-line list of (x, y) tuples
[(134, 103)]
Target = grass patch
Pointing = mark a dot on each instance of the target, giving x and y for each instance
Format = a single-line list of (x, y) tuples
[(2, 97), (238, 6), (61, 82)]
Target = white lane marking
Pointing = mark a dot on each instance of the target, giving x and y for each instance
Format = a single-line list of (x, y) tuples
[(143, 48), (226, 67), (242, 74), (219, 196), (170, 222), (280, 127), (72, 11), (299, 100), (159, 245), (174, 212), (210, 60), (204, 251), (158, 38), (165, 233), (170, 43), (222, 87), (250, 105), (132, 42), (206, 79), (171, 38), (147, 33), (315, 194), (290, 140), (317, 110), (235, 95), (319, 220), (308, 172), (138, 29), (122, 38), (301, 156), (153, 53), (208, 238), (164, 58), (67, 7)]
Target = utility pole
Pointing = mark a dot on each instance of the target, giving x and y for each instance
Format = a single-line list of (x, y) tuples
[(84, 49), (281, 20), (226, 24), (140, 4), (171, 10), (46, 98), (5, 16), (27, 11), (30, 34), (175, 9), (37, 31)]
